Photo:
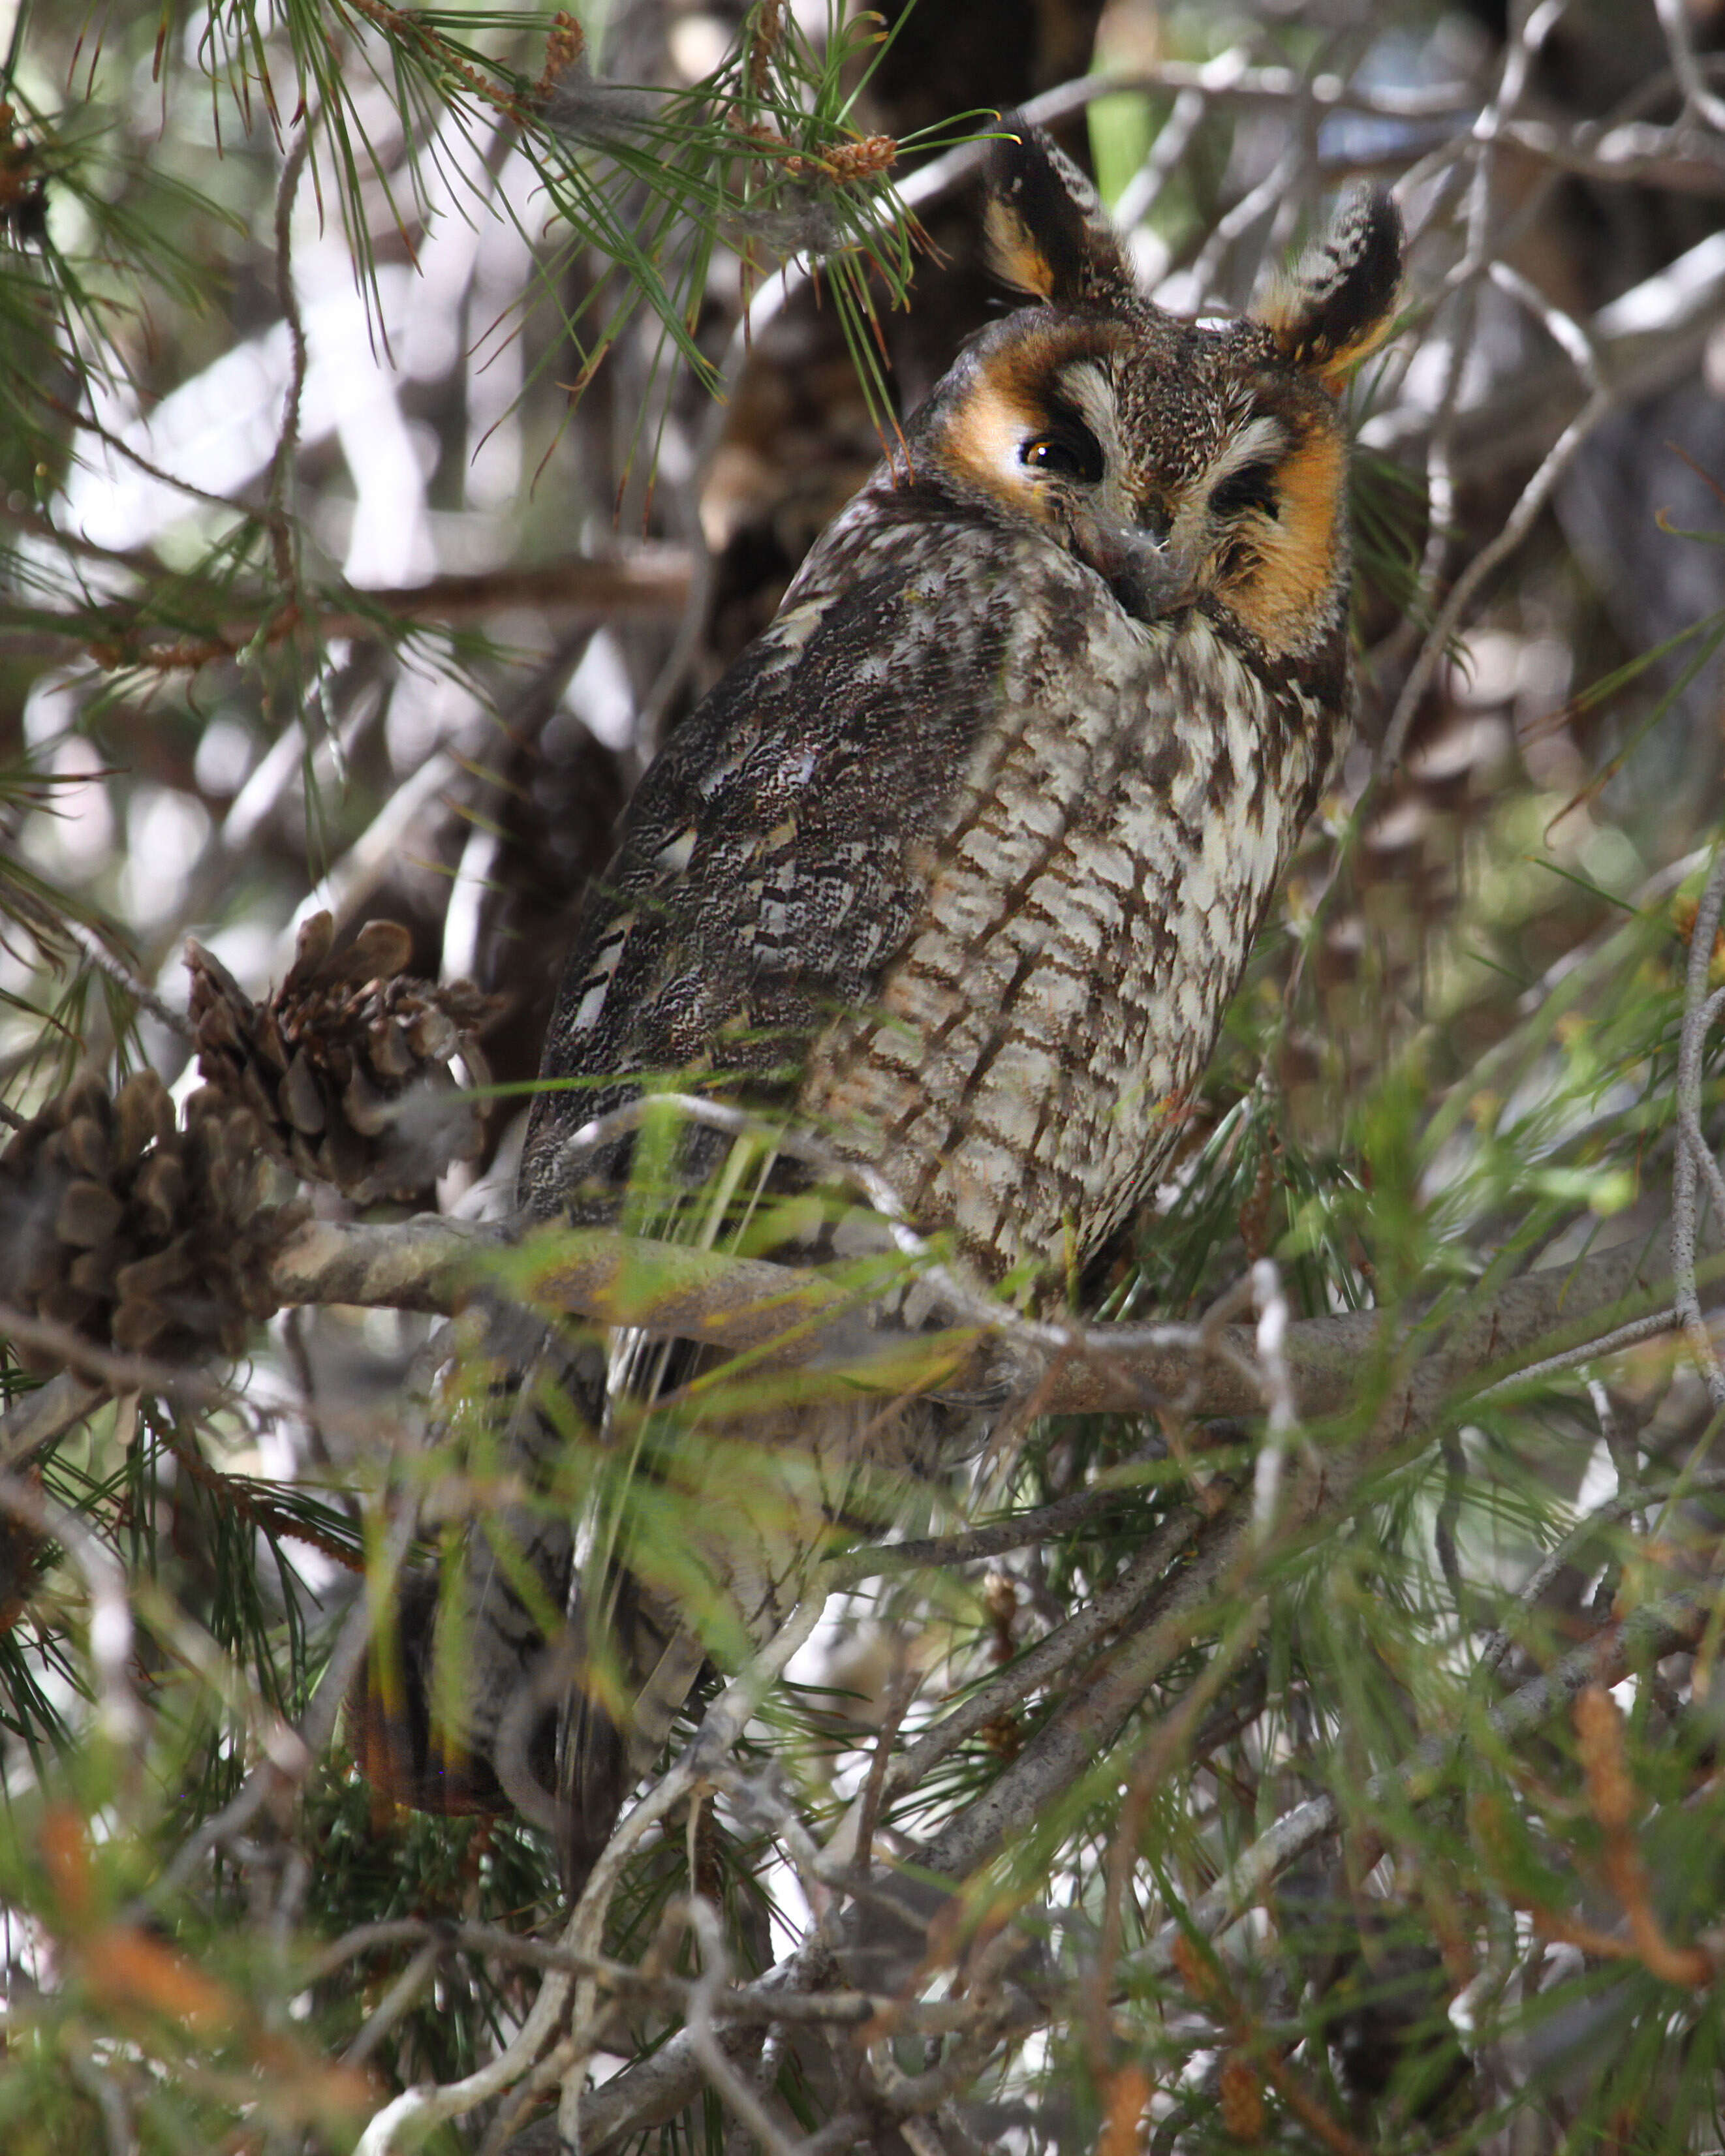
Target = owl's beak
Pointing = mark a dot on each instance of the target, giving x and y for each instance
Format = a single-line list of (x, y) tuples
[(1152, 576)]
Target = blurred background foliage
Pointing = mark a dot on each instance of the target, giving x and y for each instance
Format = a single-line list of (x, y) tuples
[(389, 463)]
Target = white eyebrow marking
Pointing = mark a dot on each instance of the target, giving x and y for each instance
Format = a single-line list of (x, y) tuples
[(1088, 388), (1259, 440)]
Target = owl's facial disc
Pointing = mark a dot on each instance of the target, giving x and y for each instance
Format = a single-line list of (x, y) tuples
[(1232, 501), (1275, 513), (1043, 442)]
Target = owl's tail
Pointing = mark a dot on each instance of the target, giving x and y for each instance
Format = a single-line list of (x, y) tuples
[(533, 1673), (543, 1672), (476, 1697)]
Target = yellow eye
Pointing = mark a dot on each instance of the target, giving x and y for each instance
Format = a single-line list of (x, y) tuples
[(1070, 451)]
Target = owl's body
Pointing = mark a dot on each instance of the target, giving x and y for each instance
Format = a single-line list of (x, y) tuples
[(976, 838), (1082, 918), (1010, 920), (961, 864)]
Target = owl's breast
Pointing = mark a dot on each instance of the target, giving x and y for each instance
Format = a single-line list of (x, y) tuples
[(1025, 1067)]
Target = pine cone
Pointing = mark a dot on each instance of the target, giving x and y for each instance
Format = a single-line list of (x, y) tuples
[(143, 1235), (346, 1066)]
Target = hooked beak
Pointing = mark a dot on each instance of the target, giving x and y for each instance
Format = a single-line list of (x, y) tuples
[(1151, 578)]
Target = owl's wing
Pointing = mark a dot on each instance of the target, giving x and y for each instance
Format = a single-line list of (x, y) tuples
[(772, 861), (774, 856)]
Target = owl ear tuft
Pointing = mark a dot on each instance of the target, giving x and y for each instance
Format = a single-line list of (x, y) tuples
[(1340, 301), (1047, 231)]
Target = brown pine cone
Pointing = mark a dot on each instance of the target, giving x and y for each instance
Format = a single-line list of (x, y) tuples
[(144, 1235), (347, 1065)]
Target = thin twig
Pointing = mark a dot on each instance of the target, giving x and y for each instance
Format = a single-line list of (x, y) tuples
[(107, 962), (1529, 505), (1674, 22), (646, 582), (1613, 1342), (733, 2091), (901, 1691), (282, 527), (397, 2000), (1697, 1009), (1042, 1524)]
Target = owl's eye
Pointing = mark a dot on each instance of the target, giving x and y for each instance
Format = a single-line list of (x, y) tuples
[(1070, 451), (1252, 487)]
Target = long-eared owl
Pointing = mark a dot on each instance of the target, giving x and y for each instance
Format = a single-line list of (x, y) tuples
[(977, 836), (961, 861)]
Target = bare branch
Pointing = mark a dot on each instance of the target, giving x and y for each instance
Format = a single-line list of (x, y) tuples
[(1520, 521), (733, 2090), (1674, 21), (1042, 1524), (647, 583)]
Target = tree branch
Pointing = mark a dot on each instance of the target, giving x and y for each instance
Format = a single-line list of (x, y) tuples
[(675, 1290), (648, 583)]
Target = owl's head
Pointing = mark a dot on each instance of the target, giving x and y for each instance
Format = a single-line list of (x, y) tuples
[(1191, 466)]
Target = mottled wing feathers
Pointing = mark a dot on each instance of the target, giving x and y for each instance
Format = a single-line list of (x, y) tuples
[(768, 866)]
